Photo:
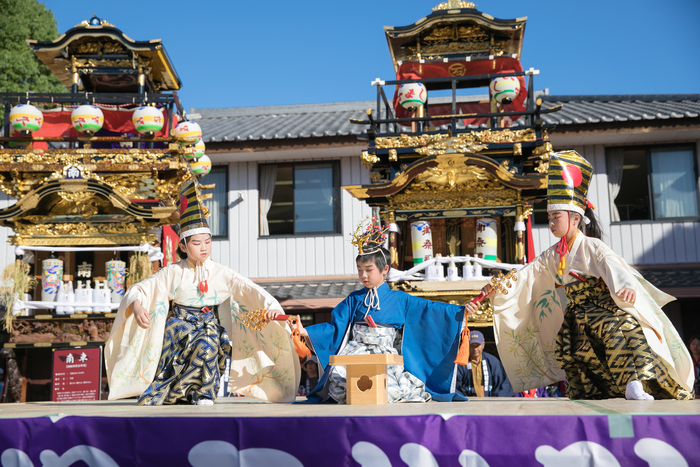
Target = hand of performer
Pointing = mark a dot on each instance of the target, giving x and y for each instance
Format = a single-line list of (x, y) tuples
[(140, 314), (627, 295), (472, 306), (300, 327), (271, 314)]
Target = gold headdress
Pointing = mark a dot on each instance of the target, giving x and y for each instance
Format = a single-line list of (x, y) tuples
[(568, 179), (192, 211), (567, 189), (371, 240)]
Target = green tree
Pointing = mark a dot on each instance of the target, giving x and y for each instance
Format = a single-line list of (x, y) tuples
[(20, 69)]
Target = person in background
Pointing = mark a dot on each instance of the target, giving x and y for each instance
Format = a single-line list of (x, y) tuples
[(484, 376), (694, 346), (309, 379)]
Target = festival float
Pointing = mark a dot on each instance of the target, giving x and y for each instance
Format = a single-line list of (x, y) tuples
[(95, 175), (455, 174)]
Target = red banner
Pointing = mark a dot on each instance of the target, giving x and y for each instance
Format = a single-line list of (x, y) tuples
[(77, 374), (415, 70), (170, 241), (529, 241)]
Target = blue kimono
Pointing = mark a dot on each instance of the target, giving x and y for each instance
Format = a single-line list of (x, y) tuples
[(431, 333)]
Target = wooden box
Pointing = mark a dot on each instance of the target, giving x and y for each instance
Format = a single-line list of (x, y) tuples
[(366, 377)]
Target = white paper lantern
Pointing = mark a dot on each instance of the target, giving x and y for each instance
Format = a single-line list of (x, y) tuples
[(51, 278), (504, 89), (188, 129), (412, 95), (87, 119), (422, 241), (486, 239), (202, 167), (26, 119), (148, 120)]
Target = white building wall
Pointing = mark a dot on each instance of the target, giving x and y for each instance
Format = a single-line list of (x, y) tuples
[(7, 251), (639, 243), (263, 257)]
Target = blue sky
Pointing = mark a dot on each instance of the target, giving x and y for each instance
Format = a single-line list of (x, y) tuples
[(239, 54)]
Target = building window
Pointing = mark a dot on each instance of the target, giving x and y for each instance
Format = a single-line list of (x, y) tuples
[(652, 183), (539, 212), (299, 199), (218, 204)]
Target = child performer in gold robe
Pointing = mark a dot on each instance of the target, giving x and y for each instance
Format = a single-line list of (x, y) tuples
[(613, 339)]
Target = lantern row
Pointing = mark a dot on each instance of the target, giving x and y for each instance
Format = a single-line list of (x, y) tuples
[(147, 120), (504, 90)]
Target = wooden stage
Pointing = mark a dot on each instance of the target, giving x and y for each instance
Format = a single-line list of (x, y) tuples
[(483, 432), (248, 407)]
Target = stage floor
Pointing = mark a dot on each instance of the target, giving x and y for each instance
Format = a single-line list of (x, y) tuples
[(483, 432), (248, 407)]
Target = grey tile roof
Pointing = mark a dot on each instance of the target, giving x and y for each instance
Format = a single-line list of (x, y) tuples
[(282, 122), (672, 278), (582, 110), (289, 121), (332, 119), (308, 290)]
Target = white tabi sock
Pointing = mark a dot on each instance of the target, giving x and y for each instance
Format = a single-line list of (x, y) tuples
[(635, 391)]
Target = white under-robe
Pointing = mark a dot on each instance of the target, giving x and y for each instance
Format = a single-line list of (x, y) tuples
[(528, 318), (264, 364)]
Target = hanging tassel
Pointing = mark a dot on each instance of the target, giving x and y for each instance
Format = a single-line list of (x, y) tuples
[(299, 345), (203, 287), (463, 352), (562, 249)]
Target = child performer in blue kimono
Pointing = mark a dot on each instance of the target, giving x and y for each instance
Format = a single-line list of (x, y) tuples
[(368, 322), (612, 339)]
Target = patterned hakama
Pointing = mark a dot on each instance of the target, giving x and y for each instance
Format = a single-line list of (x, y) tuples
[(402, 385), (195, 347), (601, 348)]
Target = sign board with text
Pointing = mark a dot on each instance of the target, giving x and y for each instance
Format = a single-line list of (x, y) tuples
[(77, 374)]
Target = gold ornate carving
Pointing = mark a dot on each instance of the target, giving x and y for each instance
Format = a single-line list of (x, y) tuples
[(542, 167), (84, 203), (505, 165), (91, 46), (29, 202), (463, 139), (393, 156), (518, 149), (368, 159), (357, 191), (483, 316), (443, 188), (142, 185), (80, 229), (543, 162), (454, 5), (111, 156), (440, 50), (111, 240), (543, 150)]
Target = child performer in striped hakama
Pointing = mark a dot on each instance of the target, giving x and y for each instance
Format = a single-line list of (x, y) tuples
[(612, 339), (176, 355)]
